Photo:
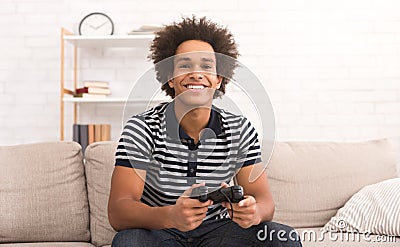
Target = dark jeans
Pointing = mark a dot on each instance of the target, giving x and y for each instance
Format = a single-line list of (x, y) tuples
[(212, 233)]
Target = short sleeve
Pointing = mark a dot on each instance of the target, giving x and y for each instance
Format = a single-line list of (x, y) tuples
[(249, 152), (135, 145)]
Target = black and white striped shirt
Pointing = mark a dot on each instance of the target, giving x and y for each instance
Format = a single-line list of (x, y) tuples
[(153, 141)]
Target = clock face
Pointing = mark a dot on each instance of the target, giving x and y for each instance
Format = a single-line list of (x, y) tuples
[(96, 24)]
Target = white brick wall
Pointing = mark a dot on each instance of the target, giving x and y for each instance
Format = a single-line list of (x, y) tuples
[(331, 68)]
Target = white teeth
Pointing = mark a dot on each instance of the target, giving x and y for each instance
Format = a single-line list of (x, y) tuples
[(195, 86)]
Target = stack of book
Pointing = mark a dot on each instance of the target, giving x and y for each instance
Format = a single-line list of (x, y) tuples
[(93, 89), (85, 134), (146, 29)]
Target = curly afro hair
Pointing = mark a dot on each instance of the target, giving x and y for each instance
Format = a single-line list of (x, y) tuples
[(171, 36)]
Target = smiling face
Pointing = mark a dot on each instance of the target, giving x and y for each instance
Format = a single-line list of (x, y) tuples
[(195, 75)]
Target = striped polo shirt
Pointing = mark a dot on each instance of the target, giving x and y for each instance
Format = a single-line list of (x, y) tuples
[(153, 141)]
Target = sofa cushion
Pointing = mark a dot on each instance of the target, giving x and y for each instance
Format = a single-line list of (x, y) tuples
[(311, 181), (374, 209), (99, 165), (43, 193)]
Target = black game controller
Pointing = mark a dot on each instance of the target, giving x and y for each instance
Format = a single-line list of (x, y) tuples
[(232, 194)]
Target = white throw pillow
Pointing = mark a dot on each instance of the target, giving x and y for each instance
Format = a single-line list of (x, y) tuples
[(375, 209)]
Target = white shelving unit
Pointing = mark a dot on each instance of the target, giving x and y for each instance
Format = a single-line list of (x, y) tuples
[(81, 42), (109, 41), (110, 100)]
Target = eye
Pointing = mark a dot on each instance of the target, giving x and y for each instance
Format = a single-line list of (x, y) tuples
[(207, 66), (184, 66)]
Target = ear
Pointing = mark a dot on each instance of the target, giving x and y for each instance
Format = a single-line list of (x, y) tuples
[(219, 80), (171, 83), (170, 80)]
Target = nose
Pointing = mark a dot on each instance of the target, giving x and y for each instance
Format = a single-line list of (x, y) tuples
[(196, 75)]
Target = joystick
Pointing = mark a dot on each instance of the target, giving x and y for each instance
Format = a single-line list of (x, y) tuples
[(233, 194)]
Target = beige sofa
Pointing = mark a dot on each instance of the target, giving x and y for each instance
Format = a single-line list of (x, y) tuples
[(50, 197)]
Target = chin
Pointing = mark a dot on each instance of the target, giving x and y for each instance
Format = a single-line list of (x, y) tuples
[(203, 99)]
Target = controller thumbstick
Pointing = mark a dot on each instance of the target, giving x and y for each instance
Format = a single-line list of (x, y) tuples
[(237, 193)]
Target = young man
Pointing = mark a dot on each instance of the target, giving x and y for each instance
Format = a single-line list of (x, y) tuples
[(168, 150)]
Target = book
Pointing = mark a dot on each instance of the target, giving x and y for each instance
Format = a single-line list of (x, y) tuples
[(86, 134), (75, 133), (97, 132), (105, 132), (150, 27), (102, 84), (90, 134), (83, 136), (92, 90), (146, 29), (88, 95)]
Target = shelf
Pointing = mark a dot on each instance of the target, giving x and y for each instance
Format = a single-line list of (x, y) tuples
[(133, 40), (111, 100)]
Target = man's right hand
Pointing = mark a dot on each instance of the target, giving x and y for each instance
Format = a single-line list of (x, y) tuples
[(187, 214)]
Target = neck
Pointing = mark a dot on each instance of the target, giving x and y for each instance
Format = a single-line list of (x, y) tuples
[(192, 120)]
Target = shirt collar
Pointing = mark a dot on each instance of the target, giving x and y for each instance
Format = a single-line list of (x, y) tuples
[(175, 131)]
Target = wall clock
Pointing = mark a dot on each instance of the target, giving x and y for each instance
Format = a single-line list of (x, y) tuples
[(96, 24)]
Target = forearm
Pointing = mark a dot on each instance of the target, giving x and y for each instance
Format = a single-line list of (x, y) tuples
[(128, 213), (265, 208)]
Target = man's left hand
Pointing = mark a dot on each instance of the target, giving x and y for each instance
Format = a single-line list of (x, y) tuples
[(245, 213)]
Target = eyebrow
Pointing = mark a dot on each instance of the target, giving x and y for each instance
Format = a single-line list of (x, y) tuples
[(204, 59)]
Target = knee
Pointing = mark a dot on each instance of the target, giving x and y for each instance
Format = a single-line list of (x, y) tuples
[(118, 239), (280, 234), (124, 238)]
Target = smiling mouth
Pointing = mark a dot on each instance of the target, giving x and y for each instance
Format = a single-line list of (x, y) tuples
[(195, 87)]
